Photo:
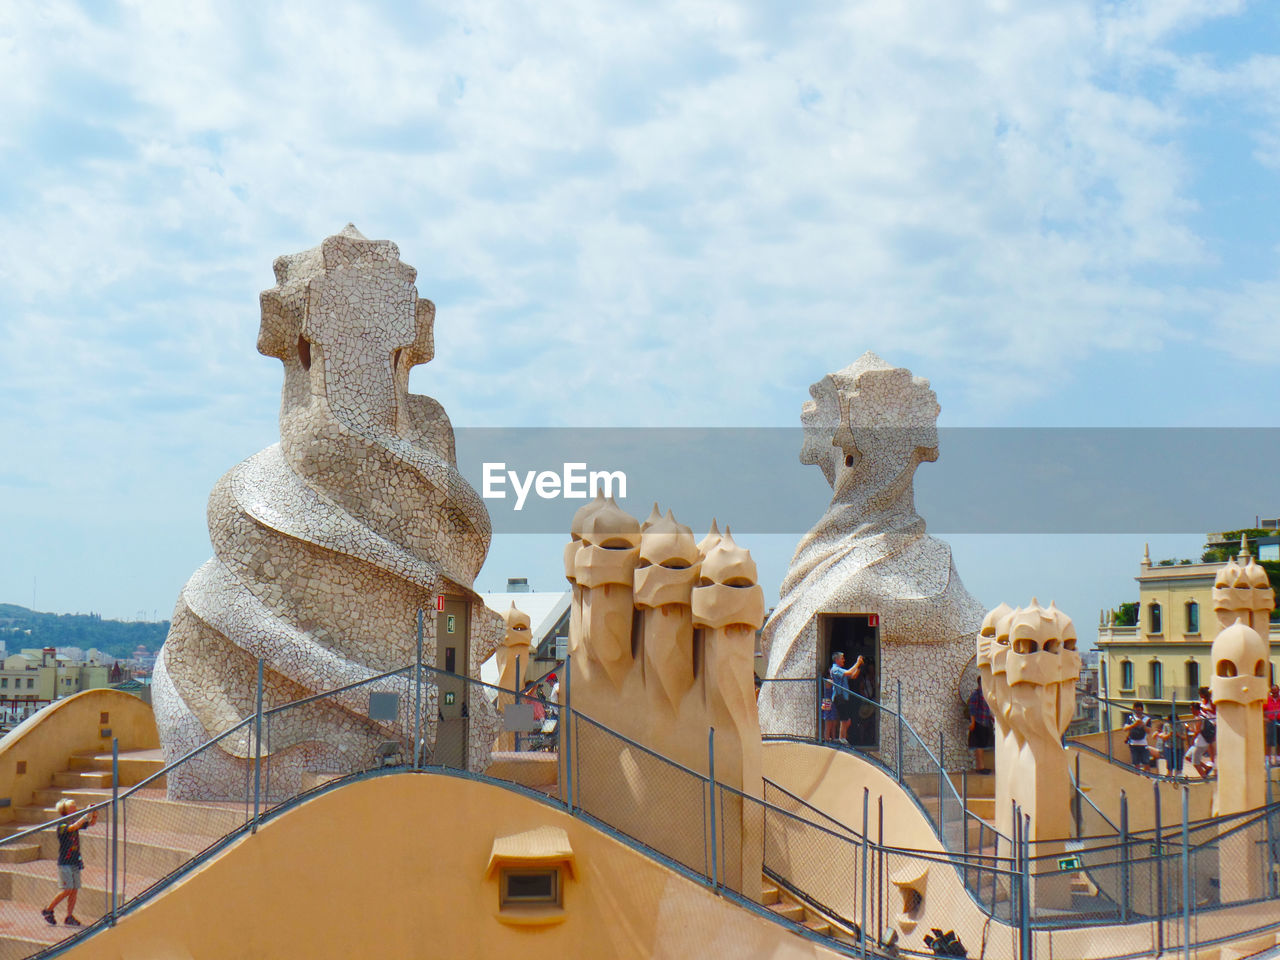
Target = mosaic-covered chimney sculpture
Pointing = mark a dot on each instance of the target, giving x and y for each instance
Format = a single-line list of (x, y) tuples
[(662, 636), (867, 428), (1242, 601), (1029, 666), (328, 543)]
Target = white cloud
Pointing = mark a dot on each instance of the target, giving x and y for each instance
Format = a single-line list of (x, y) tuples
[(627, 213)]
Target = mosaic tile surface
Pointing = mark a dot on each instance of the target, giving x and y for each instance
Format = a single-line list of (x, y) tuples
[(867, 428), (328, 543)]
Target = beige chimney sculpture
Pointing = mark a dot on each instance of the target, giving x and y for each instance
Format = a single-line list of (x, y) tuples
[(513, 663), (1242, 601), (1029, 665), (662, 636)]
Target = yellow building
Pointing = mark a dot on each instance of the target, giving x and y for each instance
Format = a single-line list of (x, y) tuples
[(1165, 655), (42, 675)]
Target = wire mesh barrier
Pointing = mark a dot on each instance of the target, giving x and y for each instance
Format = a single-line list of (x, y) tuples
[(642, 794), (1178, 884), (806, 851), (340, 732), (884, 736)]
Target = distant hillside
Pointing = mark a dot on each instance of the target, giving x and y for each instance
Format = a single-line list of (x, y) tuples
[(116, 637)]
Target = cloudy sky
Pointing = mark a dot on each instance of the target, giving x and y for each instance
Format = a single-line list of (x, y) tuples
[(642, 214)]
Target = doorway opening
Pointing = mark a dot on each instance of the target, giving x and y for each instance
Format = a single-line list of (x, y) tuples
[(453, 656), (855, 635)]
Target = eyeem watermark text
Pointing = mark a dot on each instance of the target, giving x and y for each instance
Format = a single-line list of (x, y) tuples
[(573, 482)]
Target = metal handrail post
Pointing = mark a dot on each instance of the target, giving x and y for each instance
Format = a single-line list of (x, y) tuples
[(862, 927), (1124, 857), (879, 867), (818, 735), (942, 799), (519, 698), (1155, 790), (1026, 890), (1079, 804), (1016, 905), (1186, 873), (115, 826), (1106, 712), (964, 814), (566, 734), (711, 778), (899, 715), (417, 699), (257, 751)]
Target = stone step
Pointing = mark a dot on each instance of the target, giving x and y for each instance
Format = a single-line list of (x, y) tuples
[(75, 779), (150, 809), (135, 766), (20, 852), (817, 924), (154, 853), (30, 816), (23, 930), (790, 909), (770, 894), (36, 883)]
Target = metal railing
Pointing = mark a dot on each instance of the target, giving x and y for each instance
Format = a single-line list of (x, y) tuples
[(1165, 880), (883, 735)]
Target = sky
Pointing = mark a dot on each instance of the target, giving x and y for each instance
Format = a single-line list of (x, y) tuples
[(1063, 213)]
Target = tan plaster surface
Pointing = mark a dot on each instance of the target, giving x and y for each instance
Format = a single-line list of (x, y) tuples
[(406, 876)]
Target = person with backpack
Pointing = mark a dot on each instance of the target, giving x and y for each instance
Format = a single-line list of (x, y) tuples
[(1198, 753), (1209, 720), (1135, 735)]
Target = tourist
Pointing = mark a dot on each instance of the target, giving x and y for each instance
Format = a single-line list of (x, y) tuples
[(69, 861), (863, 731), (1209, 718), (1271, 713), (1198, 753), (843, 699), (830, 720), (1163, 748), (1135, 735), (982, 729)]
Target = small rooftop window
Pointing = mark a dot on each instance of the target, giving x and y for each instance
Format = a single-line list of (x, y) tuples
[(531, 869)]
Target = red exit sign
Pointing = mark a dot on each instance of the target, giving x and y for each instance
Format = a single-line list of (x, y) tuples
[(873, 619)]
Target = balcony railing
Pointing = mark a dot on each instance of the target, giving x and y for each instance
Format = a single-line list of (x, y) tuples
[(1165, 692)]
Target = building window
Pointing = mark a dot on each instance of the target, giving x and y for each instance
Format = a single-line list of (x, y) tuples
[(530, 887), (1157, 679), (1193, 678), (31, 683), (1126, 675), (1154, 616), (1193, 617)]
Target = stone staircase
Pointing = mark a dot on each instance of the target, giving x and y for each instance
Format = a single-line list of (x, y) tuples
[(784, 904), (157, 835)]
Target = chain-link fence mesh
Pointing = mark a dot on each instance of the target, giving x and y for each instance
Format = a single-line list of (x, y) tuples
[(1209, 880), (640, 793)]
